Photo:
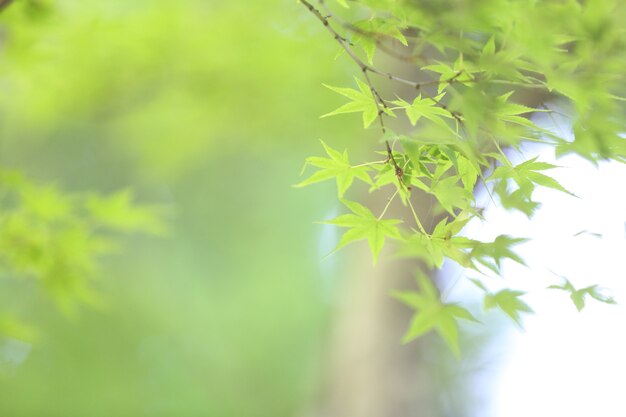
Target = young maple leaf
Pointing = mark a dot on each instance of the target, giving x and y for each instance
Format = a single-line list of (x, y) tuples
[(491, 254), (362, 101), (364, 225), (450, 195), (526, 175), (509, 302), (578, 296), (510, 112), (338, 167), (527, 172), (372, 29), (427, 108), (432, 314), (460, 73)]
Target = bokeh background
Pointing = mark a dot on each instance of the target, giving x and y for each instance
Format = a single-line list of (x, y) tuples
[(207, 110)]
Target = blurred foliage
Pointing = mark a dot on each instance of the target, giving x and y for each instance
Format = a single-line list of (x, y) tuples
[(201, 113), (56, 238)]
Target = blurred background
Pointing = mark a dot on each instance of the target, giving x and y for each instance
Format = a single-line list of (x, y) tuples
[(207, 110)]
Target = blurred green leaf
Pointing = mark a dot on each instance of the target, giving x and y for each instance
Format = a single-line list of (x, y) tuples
[(432, 314), (509, 302), (578, 295)]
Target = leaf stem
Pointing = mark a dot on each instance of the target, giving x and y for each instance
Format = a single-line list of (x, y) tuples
[(368, 164), (388, 204), (417, 220), (495, 142)]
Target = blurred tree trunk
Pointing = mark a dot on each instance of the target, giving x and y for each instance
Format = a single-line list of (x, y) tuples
[(370, 373)]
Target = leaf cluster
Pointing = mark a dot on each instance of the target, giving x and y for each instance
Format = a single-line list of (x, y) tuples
[(485, 80), (57, 238)]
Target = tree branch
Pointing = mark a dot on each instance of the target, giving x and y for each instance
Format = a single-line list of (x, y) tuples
[(4, 4), (367, 68)]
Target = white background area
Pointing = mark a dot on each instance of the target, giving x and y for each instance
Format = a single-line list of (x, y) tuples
[(564, 363)]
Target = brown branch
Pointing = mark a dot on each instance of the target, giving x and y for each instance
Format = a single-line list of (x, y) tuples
[(363, 66), (381, 105), (4, 4), (340, 39), (375, 36)]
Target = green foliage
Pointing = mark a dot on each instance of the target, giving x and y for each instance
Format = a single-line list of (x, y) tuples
[(490, 254), (362, 101), (56, 238), (497, 64), (509, 302), (364, 225), (425, 107), (433, 314), (506, 300), (337, 167), (379, 28), (578, 296), (526, 176), (100, 96)]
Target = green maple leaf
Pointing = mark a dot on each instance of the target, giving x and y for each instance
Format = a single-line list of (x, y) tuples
[(578, 296), (490, 46), (450, 195), (510, 112), (440, 244), (427, 108), (520, 199), (118, 211), (468, 171), (491, 254), (530, 168), (423, 247), (526, 175), (433, 314), (372, 29), (460, 72), (336, 166), (364, 225), (362, 101), (509, 302)]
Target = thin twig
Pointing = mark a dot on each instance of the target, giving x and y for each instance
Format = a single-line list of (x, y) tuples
[(388, 204), (367, 68), (369, 163)]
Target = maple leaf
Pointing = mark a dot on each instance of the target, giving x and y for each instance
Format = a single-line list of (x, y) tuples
[(528, 171), (491, 254), (460, 72), (510, 112), (362, 101), (372, 29), (336, 166), (526, 175), (364, 225), (433, 314), (427, 108), (509, 302), (450, 195), (578, 295)]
